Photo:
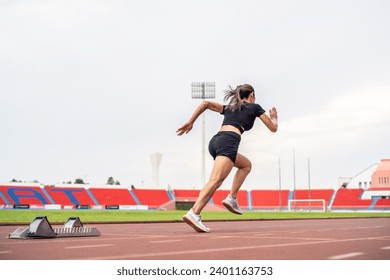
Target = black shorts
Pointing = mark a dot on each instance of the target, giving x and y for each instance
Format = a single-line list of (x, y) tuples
[(225, 143)]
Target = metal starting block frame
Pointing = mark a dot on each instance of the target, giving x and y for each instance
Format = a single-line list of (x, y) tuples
[(40, 227)]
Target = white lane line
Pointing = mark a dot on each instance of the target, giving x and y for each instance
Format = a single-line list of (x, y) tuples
[(5, 252), (89, 246), (386, 248), (229, 249), (222, 237), (167, 241), (346, 256)]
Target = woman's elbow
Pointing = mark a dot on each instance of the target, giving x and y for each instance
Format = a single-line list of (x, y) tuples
[(273, 129), (205, 104)]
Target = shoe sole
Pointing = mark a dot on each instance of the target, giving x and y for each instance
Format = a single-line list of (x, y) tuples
[(193, 224), (230, 208)]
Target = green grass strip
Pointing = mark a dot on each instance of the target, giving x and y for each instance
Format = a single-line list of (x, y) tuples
[(118, 216)]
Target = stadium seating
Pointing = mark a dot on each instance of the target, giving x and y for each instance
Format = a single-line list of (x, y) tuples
[(113, 196), (76, 196), (269, 199), (382, 204), (23, 194), (186, 194), (3, 200), (315, 194), (350, 199), (152, 198)]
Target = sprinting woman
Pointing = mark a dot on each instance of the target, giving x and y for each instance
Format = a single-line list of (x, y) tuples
[(239, 116)]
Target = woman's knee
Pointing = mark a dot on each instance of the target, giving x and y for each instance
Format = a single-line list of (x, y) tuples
[(249, 167), (244, 164)]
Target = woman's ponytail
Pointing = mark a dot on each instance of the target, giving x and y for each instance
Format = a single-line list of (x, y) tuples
[(234, 96)]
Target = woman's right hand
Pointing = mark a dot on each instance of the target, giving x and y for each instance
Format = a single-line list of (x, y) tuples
[(184, 129)]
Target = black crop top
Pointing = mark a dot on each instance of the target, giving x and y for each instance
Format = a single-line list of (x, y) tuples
[(242, 120)]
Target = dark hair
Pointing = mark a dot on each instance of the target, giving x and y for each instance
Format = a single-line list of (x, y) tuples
[(234, 96)]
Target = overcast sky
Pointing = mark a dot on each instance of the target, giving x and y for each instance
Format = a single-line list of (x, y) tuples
[(89, 89)]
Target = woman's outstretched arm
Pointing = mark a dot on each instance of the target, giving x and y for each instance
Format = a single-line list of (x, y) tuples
[(214, 106)]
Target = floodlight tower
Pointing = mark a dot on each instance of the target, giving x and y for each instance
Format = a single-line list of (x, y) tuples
[(156, 160), (203, 90)]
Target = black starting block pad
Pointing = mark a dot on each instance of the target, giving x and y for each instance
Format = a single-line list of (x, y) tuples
[(40, 227)]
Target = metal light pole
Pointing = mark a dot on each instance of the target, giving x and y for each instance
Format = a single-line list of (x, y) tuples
[(203, 90), (280, 188), (294, 195), (309, 183)]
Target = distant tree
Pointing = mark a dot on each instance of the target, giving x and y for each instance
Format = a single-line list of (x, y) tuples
[(16, 181), (110, 181), (79, 181), (117, 182)]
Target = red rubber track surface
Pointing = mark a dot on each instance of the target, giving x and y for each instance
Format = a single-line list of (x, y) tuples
[(365, 239)]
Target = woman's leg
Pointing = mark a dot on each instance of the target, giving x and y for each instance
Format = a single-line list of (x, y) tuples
[(222, 167), (244, 167)]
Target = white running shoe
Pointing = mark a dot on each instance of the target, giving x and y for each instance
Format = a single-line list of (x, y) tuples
[(195, 221), (231, 204)]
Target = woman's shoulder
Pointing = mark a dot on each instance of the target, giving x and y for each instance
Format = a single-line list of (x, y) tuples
[(253, 105), (257, 109)]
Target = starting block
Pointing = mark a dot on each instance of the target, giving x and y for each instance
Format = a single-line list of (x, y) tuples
[(41, 228)]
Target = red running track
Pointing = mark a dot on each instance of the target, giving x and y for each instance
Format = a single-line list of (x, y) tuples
[(329, 239)]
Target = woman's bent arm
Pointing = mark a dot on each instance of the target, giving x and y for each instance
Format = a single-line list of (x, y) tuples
[(272, 121), (214, 106)]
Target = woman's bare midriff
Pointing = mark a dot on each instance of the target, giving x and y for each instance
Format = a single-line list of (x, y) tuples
[(230, 128)]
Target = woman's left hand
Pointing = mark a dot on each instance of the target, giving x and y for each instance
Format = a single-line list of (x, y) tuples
[(273, 114)]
